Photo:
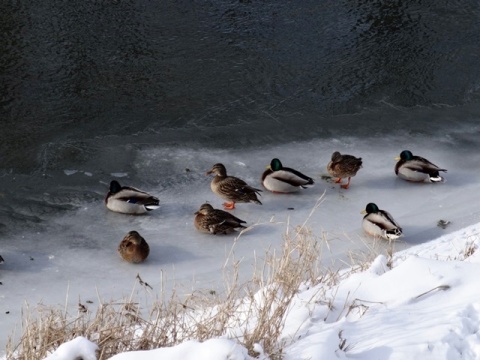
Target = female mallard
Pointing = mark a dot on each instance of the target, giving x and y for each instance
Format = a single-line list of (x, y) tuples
[(380, 223), (343, 166), (231, 188), (417, 168), (133, 248), (215, 221), (128, 200), (279, 179)]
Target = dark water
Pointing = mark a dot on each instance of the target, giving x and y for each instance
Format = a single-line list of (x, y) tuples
[(78, 75)]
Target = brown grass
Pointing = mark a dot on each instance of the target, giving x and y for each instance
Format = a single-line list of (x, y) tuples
[(252, 313), (120, 326)]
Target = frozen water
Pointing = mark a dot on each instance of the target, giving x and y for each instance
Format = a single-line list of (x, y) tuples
[(383, 312), (67, 246)]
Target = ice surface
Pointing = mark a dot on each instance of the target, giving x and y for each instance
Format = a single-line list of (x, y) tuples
[(67, 249), (423, 306)]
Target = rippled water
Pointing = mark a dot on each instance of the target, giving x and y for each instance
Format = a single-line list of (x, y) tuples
[(75, 76)]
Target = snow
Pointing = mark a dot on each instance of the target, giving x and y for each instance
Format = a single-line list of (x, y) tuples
[(78, 348), (426, 306), (213, 349)]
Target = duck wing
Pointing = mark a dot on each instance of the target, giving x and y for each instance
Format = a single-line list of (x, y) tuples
[(138, 197), (226, 217), (426, 164), (222, 223), (383, 220), (236, 187), (292, 177), (422, 165)]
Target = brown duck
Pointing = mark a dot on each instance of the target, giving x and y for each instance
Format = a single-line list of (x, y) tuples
[(343, 166), (231, 188), (216, 221), (133, 248)]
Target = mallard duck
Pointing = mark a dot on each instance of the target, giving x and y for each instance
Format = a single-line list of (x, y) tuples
[(279, 179), (343, 166), (417, 168), (231, 188), (129, 200), (133, 248), (216, 221), (380, 223)]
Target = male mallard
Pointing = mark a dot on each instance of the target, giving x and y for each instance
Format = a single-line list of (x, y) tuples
[(279, 179), (215, 221), (133, 248), (417, 168), (128, 200), (343, 166), (380, 223), (231, 188)]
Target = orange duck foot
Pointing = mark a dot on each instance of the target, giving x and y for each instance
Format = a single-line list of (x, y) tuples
[(339, 180), (345, 186), (229, 205)]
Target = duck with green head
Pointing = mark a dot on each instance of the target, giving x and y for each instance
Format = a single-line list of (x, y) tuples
[(216, 221), (231, 188), (416, 168), (129, 200), (280, 179), (379, 223)]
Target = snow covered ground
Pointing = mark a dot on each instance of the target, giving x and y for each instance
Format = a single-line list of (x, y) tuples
[(425, 306), (68, 253)]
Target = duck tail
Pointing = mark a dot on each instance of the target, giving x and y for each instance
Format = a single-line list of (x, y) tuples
[(308, 184), (436, 178), (153, 204), (394, 233)]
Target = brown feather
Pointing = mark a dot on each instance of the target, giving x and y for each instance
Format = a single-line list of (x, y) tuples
[(133, 248)]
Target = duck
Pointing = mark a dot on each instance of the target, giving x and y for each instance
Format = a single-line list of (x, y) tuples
[(380, 223), (343, 166), (231, 188), (1, 259), (133, 248), (129, 200), (417, 169), (279, 179), (216, 221)]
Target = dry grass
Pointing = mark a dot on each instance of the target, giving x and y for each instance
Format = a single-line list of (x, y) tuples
[(253, 313)]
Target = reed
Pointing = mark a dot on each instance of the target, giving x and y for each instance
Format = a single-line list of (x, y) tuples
[(253, 312)]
